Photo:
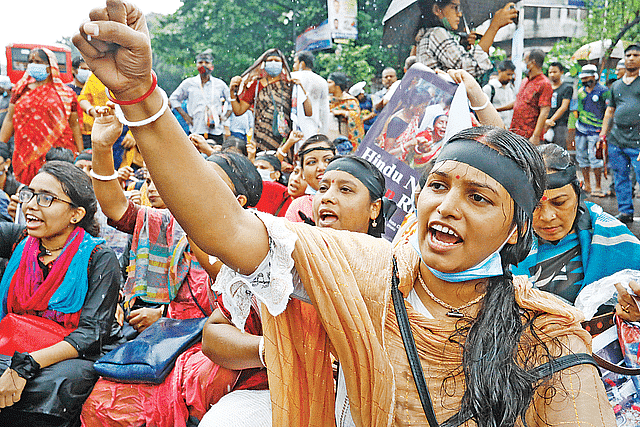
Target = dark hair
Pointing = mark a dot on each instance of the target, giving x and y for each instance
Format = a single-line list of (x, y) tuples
[(315, 139), (243, 175), (430, 20), (378, 230), (42, 54), (77, 185), (496, 352), (340, 79), (75, 64), (558, 65), (537, 56), (558, 159), (273, 161), (306, 57), (633, 46), (233, 142), (506, 65), (60, 153)]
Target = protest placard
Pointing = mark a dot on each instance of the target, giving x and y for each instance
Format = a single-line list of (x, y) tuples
[(407, 134)]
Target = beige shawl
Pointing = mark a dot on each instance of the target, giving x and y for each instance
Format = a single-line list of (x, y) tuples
[(347, 276)]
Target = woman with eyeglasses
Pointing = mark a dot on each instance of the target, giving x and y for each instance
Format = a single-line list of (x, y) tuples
[(62, 277), (438, 42)]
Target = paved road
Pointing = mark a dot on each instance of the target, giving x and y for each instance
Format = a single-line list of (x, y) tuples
[(609, 204)]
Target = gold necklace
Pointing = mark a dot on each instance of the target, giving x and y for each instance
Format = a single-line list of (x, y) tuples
[(453, 311), (47, 251)]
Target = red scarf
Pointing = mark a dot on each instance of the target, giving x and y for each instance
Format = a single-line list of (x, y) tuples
[(30, 292)]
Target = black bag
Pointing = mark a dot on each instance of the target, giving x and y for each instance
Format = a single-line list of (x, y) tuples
[(151, 356)]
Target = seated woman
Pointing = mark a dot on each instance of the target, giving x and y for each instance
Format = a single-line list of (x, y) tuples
[(274, 199), (349, 198), (314, 156), (61, 273), (474, 220), (195, 382), (576, 242)]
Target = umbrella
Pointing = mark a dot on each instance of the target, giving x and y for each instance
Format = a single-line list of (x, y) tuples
[(596, 50), (403, 17)]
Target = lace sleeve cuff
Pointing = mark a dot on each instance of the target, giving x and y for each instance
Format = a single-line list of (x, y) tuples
[(271, 283)]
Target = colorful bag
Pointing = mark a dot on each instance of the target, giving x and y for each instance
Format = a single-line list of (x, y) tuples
[(27, 333)]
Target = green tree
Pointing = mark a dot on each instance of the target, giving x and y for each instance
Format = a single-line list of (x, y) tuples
[(239, 31)]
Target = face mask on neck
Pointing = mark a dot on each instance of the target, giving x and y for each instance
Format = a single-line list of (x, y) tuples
[(38, 71), (446, 24), (489, 267), (83, 75), (265, 174), (273, 68)]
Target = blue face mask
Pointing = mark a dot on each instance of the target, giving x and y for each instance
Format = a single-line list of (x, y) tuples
[(38, 71), (490, 267), (273, 68)]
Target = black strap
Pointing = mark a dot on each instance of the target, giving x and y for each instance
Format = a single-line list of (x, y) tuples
[(548, 369), (539, 372), (410, 347)]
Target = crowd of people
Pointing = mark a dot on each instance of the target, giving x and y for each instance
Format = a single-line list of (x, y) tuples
[(244, 203)]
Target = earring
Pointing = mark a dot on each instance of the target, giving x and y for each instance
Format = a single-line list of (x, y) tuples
[(73, 220)]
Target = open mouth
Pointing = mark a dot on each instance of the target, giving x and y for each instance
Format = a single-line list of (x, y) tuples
[(443, 236), (33, 221), (327, 218)]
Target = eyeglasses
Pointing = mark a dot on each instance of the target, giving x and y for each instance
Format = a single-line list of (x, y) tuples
[(43, 199)]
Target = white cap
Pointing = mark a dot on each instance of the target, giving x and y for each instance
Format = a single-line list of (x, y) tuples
[(588, 70), (357, 89), (5, 83)]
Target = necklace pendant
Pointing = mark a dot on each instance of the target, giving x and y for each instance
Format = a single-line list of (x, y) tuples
[(47, 252), (456, 314)]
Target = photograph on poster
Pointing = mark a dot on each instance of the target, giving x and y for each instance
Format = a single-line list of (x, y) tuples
[(406, 135)]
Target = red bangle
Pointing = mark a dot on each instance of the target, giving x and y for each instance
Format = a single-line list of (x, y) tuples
[(154, 83)]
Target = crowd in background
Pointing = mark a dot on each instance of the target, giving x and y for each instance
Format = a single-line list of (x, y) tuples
[(90, 244)]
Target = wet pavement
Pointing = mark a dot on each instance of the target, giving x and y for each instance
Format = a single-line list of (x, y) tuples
[(610, 205)]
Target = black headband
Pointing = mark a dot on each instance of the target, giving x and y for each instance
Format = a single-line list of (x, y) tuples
[(360, 172), (320, 148), (560, 178), (238, 185), (271, 159), (497, 166)]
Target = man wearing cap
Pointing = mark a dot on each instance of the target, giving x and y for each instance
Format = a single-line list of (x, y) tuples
[(317, 91), (208, 100), (366, 105), (624, 136), (533, 101), (620, 69), (592, 103)]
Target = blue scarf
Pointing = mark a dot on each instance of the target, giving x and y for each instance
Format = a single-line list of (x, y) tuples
[(606, 247), (70, 295)]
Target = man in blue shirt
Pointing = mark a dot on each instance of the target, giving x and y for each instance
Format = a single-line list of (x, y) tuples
[(592, 103)]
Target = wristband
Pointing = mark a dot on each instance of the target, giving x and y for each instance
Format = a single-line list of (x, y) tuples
[(485, 105), (154, 83), (104, 177), (24, 365), (156, 116), (261, 351)]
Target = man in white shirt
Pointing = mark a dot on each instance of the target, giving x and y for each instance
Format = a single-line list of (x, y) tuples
[(317, 92), (208, 100), (502, 92)]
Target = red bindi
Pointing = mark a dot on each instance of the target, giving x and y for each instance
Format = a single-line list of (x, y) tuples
[(457, 176), (544, 198)]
